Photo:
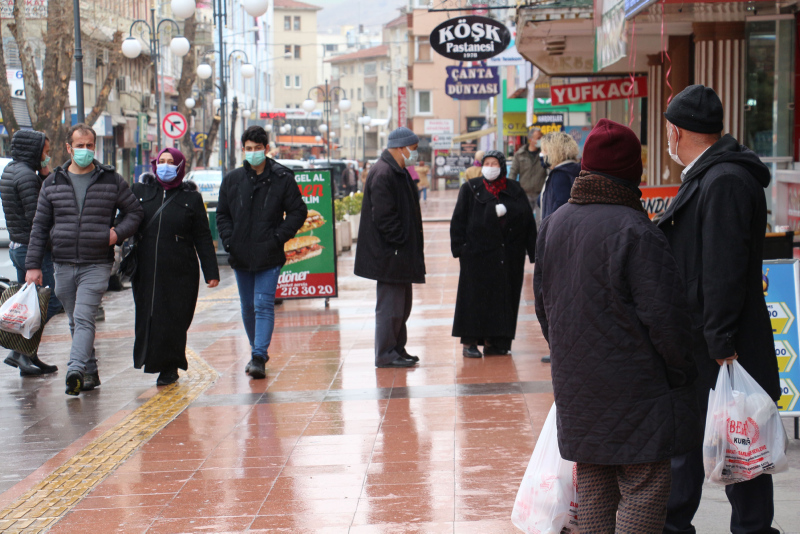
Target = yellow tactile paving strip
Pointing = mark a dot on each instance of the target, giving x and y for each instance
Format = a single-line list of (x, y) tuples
[(52, 498)]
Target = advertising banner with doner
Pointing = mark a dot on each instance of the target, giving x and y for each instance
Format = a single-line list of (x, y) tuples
[(310, 270)]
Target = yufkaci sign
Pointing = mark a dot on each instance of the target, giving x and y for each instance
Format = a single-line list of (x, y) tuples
[(470, 38), (472, 83), (615, 89), (310, 270)]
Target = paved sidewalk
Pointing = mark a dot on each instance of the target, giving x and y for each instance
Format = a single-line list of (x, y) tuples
[(327, 444)]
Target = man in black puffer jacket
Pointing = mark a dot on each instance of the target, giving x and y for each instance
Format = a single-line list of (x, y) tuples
[(19, 188), (250, 217), (77, 207)]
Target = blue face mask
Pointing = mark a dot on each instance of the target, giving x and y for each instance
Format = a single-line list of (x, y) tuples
[(46, 162), (166, 172)]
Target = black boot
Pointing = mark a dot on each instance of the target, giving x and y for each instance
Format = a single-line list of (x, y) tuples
[(166, 378), (24, 363), (46, 369), (256, 368), (90, 381), (471, 352)]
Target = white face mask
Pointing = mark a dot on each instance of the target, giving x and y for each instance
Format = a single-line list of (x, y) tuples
[(490, 173), (674, 155)]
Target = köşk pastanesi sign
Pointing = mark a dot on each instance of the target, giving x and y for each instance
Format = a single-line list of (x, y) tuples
[(470, 38), (310, 270)]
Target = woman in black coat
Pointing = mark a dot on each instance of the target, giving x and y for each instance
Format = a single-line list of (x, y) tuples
[(491, 231), (166, 281)]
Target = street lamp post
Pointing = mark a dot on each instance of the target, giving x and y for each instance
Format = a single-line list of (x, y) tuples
[(364, 121), (328, 94), (131, 48)]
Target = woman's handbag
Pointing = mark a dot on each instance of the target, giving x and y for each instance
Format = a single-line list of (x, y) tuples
[(17, 342), (129, 263)]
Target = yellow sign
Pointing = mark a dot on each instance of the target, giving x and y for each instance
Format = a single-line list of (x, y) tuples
[(789, 395), (780, 316), (514, 124), (786, 356)]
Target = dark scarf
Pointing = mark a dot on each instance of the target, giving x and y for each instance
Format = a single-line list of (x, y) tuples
[(495, 187), (596, 188)]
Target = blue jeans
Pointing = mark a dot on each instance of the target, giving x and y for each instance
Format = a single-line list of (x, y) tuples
[(257, 297), (48, 277), (424, 193)]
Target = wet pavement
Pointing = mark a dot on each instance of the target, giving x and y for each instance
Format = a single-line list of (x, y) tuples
[(327, 443)]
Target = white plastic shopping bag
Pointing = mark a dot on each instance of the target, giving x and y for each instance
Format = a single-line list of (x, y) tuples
[(744, 434), (547, 501), (20, 314)]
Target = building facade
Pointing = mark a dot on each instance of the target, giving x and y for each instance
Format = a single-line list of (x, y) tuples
[(295, 52)]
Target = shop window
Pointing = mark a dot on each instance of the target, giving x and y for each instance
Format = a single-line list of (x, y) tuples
[(768, 115)]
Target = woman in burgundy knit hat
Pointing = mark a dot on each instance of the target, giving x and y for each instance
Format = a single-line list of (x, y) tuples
[(611, 303), (167, 278)]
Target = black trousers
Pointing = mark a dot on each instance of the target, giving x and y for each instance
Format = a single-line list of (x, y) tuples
[(392, 310), (751, 502)]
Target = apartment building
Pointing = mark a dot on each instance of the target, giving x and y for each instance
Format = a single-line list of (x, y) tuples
[(295, 51)]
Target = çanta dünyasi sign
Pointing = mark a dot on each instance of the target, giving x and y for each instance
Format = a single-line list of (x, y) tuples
[(472, 83), (470, 38)]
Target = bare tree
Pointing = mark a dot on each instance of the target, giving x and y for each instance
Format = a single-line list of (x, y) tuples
[(114, 61), (6, 109), (211, 138), (33, 91), (185, 86)]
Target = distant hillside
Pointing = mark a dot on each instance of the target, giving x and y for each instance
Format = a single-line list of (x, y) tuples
[(371, 13)]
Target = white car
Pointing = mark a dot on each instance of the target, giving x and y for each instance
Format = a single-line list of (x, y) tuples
[(208, 182), (4, 238)]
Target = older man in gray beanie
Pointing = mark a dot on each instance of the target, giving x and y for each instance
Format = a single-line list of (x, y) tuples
[(390, 245)]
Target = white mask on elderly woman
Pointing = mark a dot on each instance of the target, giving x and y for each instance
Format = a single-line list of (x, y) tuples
[(490, 173)]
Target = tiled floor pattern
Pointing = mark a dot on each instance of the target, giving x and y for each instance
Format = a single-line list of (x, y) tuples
[(58, 493), (327, 443)]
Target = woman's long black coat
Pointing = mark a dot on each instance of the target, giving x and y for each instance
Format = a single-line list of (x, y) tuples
[(168, 269), (492, 257)]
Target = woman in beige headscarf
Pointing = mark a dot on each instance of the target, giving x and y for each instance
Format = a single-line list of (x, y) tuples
[(475, 170), (424, 183)]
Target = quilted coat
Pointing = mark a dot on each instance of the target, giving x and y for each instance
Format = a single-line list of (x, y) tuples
[(716, 227), (390, 240), (82, 237), (492, 258), (21, 182), (612, 305)]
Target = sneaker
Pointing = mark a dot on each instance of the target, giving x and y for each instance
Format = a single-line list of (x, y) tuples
[(90, 381), (166, 378), (74, 383), (256, 368)]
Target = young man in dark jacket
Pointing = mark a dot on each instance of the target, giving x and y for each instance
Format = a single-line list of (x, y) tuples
[(19, 187), (716, 227), (250, 217), (527, 168), (390, 245), (77, 206), (612, 305)]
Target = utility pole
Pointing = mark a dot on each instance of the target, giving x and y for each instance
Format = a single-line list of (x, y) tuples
[(76, 11)]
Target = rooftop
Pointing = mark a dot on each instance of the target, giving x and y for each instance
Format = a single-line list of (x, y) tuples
[(294, 4), (375, 51)]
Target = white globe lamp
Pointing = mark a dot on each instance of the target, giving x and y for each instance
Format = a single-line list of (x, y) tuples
[(347, 126), (301, 130), (216, 103), (248, 71), (183, 9), (204, 71), (180, 46), (332, 135), (189, 103), (323, 128), (131, 48), (318, 138), (345, 105), (255, 8), (268, 127), (309, 105), (245, 113)]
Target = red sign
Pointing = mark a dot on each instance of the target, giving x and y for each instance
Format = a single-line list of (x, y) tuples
[(580, 93), (174, 125), (270, 115), (656, 200), (402, 107)]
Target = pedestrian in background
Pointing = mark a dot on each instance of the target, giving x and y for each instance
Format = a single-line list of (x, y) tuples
[(259, 210), (611, 303), (475, 170), (352, 179), (76, 210), (491, 232), (559, 155), (423, 171), (166, 281), (390, 246), (528, 170), (19, 188), (716, 227), (364, 173)]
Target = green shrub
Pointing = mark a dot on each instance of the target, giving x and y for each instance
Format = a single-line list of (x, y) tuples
[(354, 203), (340, 209)]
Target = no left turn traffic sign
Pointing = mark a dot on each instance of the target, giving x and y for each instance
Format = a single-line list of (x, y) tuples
[(174, 125)]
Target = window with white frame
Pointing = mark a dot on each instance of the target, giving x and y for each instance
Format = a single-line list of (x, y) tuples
[(297, 24), (423, 102), (287, 23), (381, 91), (287, 82), (297, 83), (422, 49)]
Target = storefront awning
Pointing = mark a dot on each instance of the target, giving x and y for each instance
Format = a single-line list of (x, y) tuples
[(474, 135)]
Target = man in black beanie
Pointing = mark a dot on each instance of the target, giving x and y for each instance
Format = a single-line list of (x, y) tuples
[(716, 227)]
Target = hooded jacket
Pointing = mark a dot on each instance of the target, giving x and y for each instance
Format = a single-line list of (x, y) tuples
[(716, 227), (531, 173), (21, 182), (81, 236)]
